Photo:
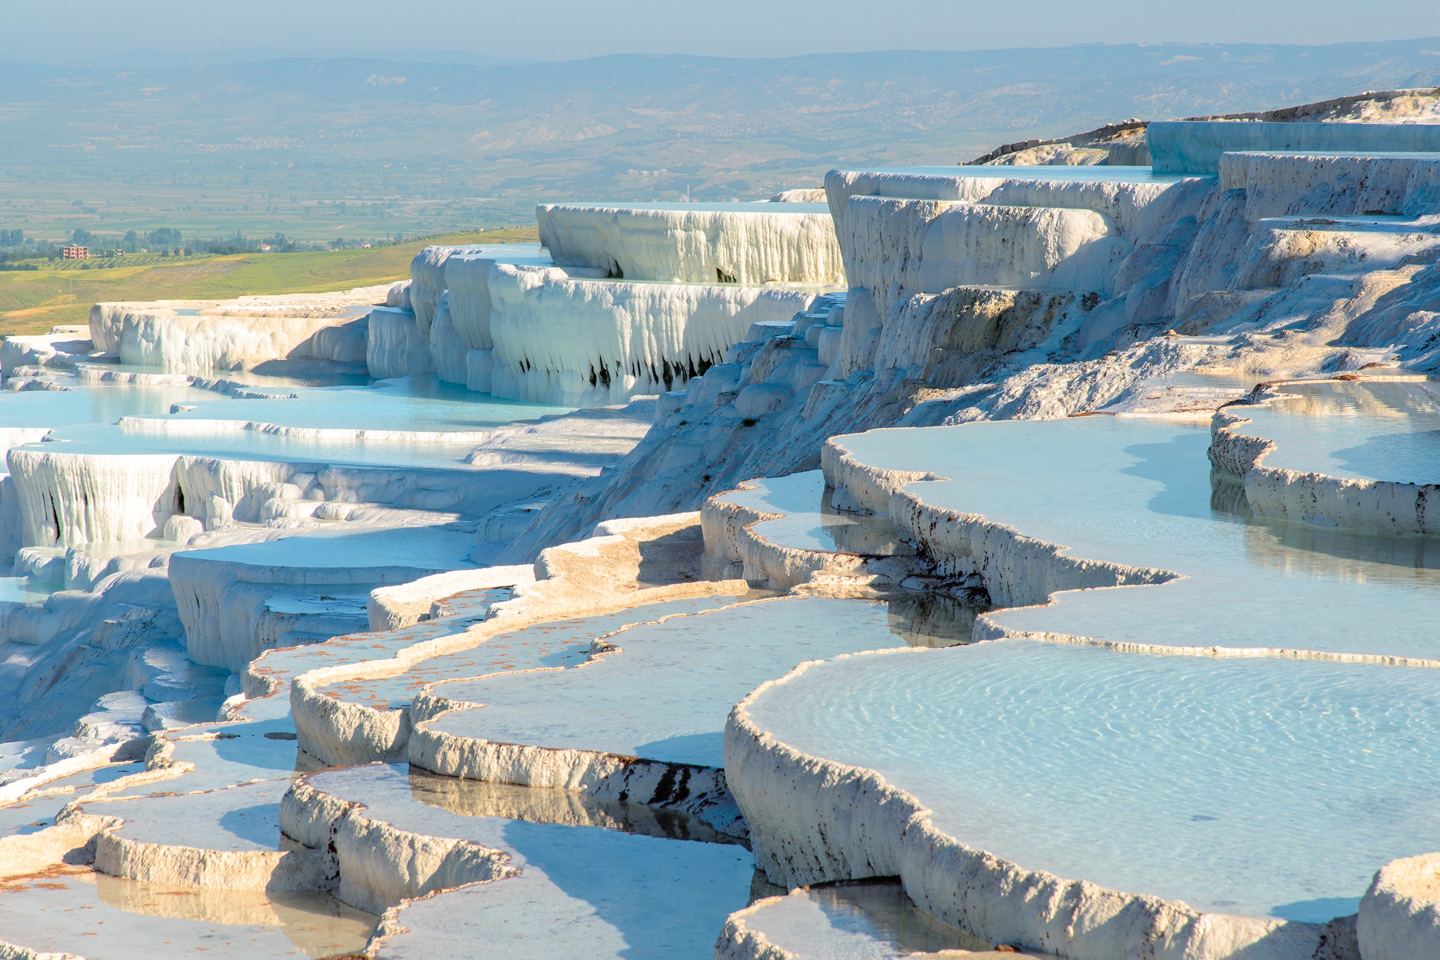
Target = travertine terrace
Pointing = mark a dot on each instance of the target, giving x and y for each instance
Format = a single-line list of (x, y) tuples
[(1025, 558)]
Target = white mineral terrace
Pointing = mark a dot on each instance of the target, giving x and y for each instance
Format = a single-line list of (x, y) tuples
[(218, 335), (578, 329), (1119, 192), (747, 243), (735, 580), (1351, 184), (543, 646), (564, 340), (621, 888), (226, 595), (658, 692), (1197, 147), (1246, 679)]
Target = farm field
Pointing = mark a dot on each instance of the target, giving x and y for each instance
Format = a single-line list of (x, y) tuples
[(32, 301)]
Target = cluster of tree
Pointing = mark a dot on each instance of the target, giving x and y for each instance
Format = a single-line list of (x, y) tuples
[(16, 247), (163, 239), (167, 241), (160, 240), (239, 243)]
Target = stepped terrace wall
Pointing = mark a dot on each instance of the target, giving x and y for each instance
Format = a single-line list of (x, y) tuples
[(290, 333), (1195, 147), (564, 339), (748, 243)]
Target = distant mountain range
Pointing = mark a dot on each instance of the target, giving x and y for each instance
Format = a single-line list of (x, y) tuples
[(498, 137)]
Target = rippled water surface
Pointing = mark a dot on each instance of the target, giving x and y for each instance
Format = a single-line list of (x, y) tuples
[(1198, 778), (1210, 781)]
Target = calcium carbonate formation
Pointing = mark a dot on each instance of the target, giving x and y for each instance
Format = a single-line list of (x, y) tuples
[(1034, 556)]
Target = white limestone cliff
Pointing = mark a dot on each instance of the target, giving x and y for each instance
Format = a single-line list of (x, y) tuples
[(394, 345), (296, 332), (561, 339), (747, 243)]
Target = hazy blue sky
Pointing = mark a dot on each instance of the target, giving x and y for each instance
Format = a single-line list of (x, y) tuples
[(568, 29)]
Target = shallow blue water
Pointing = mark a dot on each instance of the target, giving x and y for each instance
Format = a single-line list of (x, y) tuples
[(411, 404), (560, 643), (109, 439), (1137, 491), (84, 419), (1193, 777), (1240, 786), (807, 523), (419, 547), (666, 694), (1379, 430), (98, 404), (582, 891), (86, 415)]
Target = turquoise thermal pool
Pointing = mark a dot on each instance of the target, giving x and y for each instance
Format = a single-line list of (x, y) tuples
[(1370, 430), (93, 404), (807, 521), (131, 439), (408, 410), (560, 643), (431, 549), (1137, 491), (412, 405), (93, 370), (526, 254), (1204, 780), (25, 590), (666, 693)]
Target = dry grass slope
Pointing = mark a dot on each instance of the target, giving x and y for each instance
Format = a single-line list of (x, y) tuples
[(32, 301)]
